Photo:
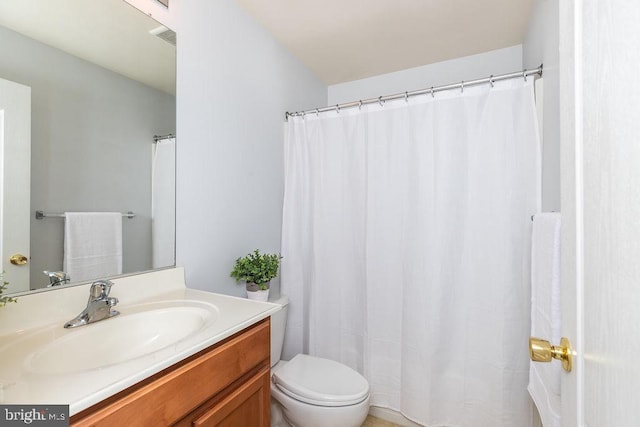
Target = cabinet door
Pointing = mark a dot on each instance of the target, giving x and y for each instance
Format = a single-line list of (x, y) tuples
[(185, 387), (248, 405)]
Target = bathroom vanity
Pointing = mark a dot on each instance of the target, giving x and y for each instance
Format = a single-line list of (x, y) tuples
[(173, 356), (226, 384)]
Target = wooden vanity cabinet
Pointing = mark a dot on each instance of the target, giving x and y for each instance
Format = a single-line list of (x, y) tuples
[(226, 384)]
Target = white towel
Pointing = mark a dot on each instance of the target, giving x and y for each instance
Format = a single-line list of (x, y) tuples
[(544, 378), (92, 245)]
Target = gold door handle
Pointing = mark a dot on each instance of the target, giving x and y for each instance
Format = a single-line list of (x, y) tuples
[(18, 259), (542, 351)]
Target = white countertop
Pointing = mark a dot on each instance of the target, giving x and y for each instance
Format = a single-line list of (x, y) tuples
[(81, 389)]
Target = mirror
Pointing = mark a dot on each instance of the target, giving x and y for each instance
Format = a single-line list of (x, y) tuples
[(102, 79)]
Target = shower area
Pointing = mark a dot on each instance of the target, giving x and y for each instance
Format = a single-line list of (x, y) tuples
[(406, 245), (163, 201)]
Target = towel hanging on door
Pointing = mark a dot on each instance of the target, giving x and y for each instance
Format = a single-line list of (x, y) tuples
[(544, 378)]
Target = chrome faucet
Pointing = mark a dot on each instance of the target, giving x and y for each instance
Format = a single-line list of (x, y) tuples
[(56, 278), (98, 306)]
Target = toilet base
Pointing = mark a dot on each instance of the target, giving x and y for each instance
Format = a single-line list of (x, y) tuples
[(291, 412), (277, 417)]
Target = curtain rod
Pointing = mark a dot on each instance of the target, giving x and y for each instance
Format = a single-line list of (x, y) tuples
[(157, 138), (432, 90)]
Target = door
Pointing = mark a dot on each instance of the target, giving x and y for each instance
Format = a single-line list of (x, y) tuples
[(600, 135), (15, 182)]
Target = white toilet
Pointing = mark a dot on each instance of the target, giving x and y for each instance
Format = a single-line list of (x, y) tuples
[(310, 391)]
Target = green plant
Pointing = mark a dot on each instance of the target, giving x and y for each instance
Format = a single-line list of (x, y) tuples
[(256, 268), (5, 300)]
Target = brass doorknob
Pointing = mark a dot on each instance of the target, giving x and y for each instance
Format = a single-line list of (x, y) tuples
[(18, 259), (542, 351)]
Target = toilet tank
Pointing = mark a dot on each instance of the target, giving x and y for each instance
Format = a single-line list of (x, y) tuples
[(278, 324)]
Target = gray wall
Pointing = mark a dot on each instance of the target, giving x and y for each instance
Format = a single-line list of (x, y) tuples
[(541, 46), (235, 83), (466, 68), (92, 131)]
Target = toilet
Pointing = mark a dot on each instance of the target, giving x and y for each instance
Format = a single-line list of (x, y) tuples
[(310, 391)]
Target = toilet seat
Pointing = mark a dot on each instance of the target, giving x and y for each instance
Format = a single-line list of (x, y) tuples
[(321, 382)]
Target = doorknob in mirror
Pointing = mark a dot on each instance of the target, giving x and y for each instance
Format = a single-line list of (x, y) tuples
[(18, 259), (542, 351)]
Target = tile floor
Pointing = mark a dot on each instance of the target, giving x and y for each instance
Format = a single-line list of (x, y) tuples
[(377, 422)]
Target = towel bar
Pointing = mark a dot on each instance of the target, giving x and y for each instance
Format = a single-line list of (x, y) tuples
[(42, 215)]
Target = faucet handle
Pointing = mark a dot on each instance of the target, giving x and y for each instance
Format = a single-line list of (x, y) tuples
[(56, 278), (100, 289)]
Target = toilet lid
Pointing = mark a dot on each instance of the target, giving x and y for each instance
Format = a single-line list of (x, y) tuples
[(321, 382)]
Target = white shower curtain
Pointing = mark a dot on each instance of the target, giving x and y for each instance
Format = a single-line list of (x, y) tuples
[(406, 242), (163, 200)]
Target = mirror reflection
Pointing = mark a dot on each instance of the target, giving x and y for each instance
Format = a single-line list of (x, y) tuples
[(99, 79)]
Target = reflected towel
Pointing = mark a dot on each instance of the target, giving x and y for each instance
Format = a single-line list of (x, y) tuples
[(92, 245), (544, 378)]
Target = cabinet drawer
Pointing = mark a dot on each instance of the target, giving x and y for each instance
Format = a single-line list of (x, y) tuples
[(248, 405), (169, 395)]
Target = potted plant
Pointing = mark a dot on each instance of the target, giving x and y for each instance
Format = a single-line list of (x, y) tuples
[(4, 300), (257, 270)]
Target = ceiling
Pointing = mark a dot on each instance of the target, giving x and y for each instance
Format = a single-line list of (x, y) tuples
[(110, 33), (339, 40), (344, 40)]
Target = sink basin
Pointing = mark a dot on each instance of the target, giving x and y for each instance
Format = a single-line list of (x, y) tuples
[(138, 331)]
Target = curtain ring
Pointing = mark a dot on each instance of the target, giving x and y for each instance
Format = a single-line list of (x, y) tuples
[(432, 95), (317, 113), (304, 113), (337, 108), (462, 86), (360, 105), (406, 97), (491, 81), (380, 101), (524, 74)]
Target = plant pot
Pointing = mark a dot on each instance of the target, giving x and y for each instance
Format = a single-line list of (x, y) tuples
[(258, 295), (254, 292)]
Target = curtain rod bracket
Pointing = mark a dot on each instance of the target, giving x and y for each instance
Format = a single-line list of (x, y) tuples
[(157, 138)]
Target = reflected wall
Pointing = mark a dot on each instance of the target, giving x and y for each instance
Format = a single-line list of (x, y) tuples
[(92, 135)]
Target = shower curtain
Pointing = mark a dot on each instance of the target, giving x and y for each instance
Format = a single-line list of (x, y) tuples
[(163, 214), (406, 244)]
